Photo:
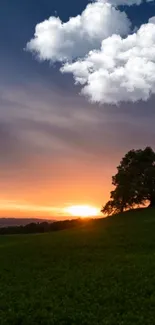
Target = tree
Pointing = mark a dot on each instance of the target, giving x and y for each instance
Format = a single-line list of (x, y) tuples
[(134, 182)]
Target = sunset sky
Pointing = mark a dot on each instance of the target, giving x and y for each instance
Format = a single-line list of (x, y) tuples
[(60, 143)]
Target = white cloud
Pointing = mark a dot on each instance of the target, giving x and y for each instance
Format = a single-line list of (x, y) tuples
[(92, 46), (123, 70), (58, 41), (124, 2), (152, 20)]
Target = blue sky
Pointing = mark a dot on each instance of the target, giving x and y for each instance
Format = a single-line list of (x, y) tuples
[(58, 148)]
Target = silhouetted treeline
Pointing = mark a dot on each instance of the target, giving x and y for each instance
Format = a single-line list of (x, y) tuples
[(15, 222), (42, 227)]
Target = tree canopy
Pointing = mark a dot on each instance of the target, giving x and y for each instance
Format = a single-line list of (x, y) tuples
[(134, 182)]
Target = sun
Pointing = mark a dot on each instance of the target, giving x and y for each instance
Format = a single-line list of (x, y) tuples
[(82, 211)]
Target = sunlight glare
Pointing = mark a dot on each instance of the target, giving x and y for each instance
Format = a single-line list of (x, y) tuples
[(83, 211)]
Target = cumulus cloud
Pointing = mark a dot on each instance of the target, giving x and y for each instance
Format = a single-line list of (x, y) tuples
[(111, 63), (58, 41), (122, 70)]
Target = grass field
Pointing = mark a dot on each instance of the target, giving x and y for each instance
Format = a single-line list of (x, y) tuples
[(102, 273)]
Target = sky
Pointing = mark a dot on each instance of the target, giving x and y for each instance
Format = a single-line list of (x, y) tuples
[(75, 95)]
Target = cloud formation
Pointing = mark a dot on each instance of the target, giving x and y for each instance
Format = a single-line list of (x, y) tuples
[(110, 65), (123, 70), (58, 41)]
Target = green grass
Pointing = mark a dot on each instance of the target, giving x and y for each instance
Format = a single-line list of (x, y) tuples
[(102, 273)]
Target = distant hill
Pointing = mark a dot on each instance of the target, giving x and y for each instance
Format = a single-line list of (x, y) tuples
[(9, 222), (40, 227)]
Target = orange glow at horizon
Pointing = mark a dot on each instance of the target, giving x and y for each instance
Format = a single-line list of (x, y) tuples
[(15, 209), (82, 211), (47, 193)]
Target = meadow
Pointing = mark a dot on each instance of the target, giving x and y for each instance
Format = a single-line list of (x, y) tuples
[(101, 273)]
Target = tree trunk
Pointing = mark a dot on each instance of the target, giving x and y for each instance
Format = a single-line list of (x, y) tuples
[(122, 209), (152, 202)]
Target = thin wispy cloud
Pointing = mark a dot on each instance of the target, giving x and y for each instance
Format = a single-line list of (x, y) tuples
[(125, 2)]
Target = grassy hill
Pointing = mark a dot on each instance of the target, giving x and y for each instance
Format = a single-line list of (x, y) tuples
[(102, 273)]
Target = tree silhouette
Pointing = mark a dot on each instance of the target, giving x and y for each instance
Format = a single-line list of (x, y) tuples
[(42, 227), (134, 182)]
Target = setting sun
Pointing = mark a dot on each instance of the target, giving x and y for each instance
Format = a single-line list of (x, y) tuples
[(83, 211)]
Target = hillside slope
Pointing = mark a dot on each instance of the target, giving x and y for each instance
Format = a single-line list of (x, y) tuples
[(100, 274)]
